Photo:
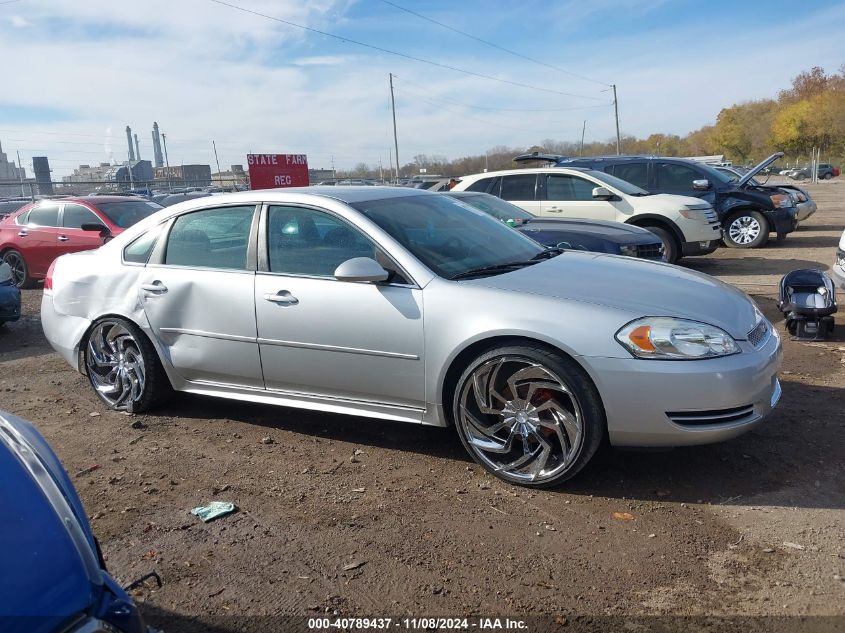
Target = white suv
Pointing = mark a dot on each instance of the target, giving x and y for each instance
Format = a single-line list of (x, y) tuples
[(687, 226)]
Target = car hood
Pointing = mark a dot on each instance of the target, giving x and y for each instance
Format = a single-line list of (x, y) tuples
[(674, 201), (50, 570), (758, 168), (639, 287)]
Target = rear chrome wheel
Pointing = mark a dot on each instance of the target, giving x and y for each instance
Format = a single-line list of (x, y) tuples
[(122, 366), (20, 272), (528, 416)]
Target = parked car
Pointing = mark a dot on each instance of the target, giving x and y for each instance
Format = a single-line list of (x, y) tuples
[(747, 213), (826, 171), (837, 271), (804, 203), (408, 305), (54, 578), (32, 237), (597, 236), (10, 296), (9, 206), (686, 226)]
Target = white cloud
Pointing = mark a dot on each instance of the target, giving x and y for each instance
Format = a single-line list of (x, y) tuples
[(19, 23)]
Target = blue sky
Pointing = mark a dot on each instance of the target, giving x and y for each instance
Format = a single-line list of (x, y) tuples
[(84, 70)]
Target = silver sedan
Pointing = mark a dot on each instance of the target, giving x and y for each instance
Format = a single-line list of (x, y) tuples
[(406, 305)]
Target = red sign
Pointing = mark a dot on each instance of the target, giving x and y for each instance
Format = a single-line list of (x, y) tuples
[(269, 171)]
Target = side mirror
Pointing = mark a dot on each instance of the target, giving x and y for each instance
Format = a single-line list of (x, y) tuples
[(701, 185), (601, 193), (102, 229), (360, 269)]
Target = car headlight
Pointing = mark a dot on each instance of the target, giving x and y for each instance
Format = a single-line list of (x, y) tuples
[(629, 250), (667, 338), (781, 200), (694, 214), (840, 258)]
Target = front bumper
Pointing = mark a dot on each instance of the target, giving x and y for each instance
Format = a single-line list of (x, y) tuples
[(699, 248), (10, 303), (717, 399), (805, 210), (782, 221)]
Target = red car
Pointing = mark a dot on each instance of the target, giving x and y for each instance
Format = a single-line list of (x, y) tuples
[(35, 235)]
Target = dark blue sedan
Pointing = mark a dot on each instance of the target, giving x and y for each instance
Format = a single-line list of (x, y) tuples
[(10, 296), (52, 575)]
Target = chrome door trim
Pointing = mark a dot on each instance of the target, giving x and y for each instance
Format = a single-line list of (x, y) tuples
[(336, 348), (202, 333)]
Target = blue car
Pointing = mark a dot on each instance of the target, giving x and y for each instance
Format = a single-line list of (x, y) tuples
[(52, 575), (10, 296)]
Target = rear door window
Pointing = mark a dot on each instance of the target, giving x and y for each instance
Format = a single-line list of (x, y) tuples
[(211, 238), (44, 215), (519, 187)]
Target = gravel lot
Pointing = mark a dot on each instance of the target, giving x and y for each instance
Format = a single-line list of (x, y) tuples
[(752, 527)]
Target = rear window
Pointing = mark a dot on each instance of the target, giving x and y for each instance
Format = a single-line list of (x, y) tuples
[(44, 215), (126, 213)]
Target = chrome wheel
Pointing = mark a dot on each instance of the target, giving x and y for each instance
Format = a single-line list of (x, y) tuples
[(115, 365), (18, 266), (744, 229), (520, 419)]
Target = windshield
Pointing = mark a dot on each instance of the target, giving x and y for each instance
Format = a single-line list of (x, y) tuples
[(617, 183), (449, 237), (491, 205), (125, 214)]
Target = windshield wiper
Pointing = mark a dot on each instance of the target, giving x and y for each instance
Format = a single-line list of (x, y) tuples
[(551, 251), (491, 270)]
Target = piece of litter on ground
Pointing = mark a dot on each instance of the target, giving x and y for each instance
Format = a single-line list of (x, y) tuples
[(136, 440), (359, 490), (267, 440), (550, 528), (623, 516), (652, 535), (793, 545), (94, 414), (768, 550), (355, 565), (213, 510), (87, 471)]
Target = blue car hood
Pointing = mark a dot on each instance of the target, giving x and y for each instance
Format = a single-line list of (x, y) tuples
[(50, 571)]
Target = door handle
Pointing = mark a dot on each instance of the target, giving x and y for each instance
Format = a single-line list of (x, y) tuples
[(283, 297), (555, 209), (23, 233), (63, 238), (156, 287)]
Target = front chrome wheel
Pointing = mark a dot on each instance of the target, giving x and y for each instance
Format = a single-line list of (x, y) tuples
[(744, 230), (115, 365), (520, 419)]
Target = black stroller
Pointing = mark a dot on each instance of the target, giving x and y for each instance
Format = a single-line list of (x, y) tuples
[(808, 301)]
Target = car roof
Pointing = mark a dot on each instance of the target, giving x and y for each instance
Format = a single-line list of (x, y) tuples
[(530, 170), (343, 193)]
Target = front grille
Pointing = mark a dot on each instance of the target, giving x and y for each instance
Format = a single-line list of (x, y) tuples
[(650, 251), (720, 416), (759, 334)]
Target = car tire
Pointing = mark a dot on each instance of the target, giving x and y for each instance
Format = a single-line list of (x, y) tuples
[(800, 176), (746, 229), (20, 270), (548, 430), (828, 176), (671, 246), (123, 367)]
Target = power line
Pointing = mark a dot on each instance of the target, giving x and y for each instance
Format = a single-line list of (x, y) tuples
[(489, 109), (493, 44), (403, 55)]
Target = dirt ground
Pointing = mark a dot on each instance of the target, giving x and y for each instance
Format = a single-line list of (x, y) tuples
[(752, 527)]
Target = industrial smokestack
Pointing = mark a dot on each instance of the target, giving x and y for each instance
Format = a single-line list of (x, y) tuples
[(157, 156), (137, 148), (129, 141)]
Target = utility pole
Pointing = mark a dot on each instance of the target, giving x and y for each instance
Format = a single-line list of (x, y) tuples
[(217, 160), (334, 173), (616, 111), (390, 159), (166, 161), (486, 161), (20, 173), (380, 170), (583, 130), (395, 138)]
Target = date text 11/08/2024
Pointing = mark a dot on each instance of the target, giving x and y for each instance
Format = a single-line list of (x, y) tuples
[(503, 624)]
